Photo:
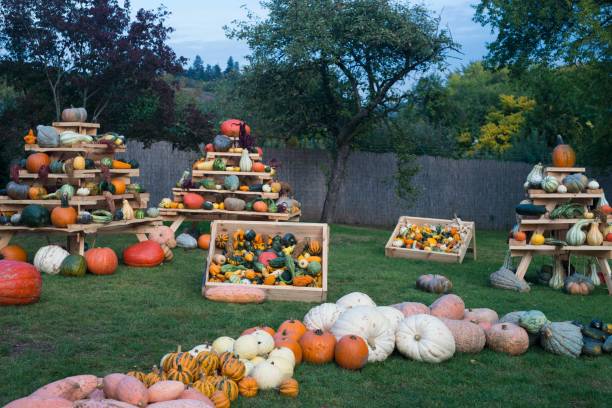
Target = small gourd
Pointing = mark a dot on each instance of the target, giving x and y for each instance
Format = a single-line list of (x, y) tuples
[(593, 185), (246, 164), (152, 212), (550, 184), (535, 176), (575, 183), (231, 183), (558, 275), (537, 239), (594, 237), (561, 189), (78, 163), (266, 188), (128, 212), (83, 192), (576, 236), (84, 217)]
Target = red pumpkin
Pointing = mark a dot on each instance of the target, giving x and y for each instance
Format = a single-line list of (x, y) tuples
[(20, 283), (563, 155), (35, 161), (13, 253), (260, 206), (291, 344), (144, 254), (520, 236), (193, 201), (209, 147), (231, 128), (609, 237), (318, 346), (101, 261), (258, 167)]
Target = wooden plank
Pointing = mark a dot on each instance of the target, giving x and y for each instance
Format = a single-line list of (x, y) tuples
[(212, 155), (76, 124), (607, 273), (581, 248), (81, 174), (300, 230), (180, 191), (276, 216), (565, 169), (96, 148), (203, 173), (567, 196), (75, 201), (521, 269)]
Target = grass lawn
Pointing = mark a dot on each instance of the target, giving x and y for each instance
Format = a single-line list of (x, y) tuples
[(129, 320)]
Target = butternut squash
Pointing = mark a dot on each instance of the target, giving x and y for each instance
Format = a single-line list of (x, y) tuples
[(132, 391), (39, 402), (110, 383), (118, 164), (71, 388), (235, 294), (165, 391)]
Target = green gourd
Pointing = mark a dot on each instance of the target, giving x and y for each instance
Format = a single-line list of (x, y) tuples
[(47, 136), (219, 164), (73, 265), (607, 346), (562, 338), (139, 214), (532, 321), (550, 184), (17, 191), (107, 162), (34, 216), (575, 183), (535, 176), (592, 347), (576, 236), (222, 143), (314, 268), (66, 189), (56, 167), (152, 212), (208, 183), (530, 209), (231, 183)]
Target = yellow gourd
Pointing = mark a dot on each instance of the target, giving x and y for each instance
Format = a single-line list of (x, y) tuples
[(537, 239), (594, 236), (78, 163), (128, 212)]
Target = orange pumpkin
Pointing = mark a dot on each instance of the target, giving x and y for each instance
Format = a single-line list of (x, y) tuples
[(351, 352), (65, 215), (248, 387), (119, 185), (260, 206), (293, 326), (36, 161), (101, 261), (204, 241), (231, 128), (220, 399), (520, 236), (563, 155), (258, 167), (37, 192), (292, 345), (20, 283), (318, 346), (289, 388), (264, 328), (13, 253)]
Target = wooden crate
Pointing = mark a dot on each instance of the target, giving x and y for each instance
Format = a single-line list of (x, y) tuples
[(393, 252), (300, 230)]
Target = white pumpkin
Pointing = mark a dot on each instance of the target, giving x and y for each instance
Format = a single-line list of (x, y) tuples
[(200, 348), (283, 352), (355, 299), (246, 164), (561, 189), (322, 317), (259, 359), (265, 342), (48, 259), (248, 366), (284, 365), (267, 375), (369, 324), (223, 344), (246, 346), (393, 315), (425, 338)]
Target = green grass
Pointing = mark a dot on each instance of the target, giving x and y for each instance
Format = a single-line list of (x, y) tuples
[(115, 323)]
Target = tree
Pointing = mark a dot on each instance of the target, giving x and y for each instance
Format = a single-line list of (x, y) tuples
[(549, 32), (90, 50), (335, 67), (196, 71), (230, 66)]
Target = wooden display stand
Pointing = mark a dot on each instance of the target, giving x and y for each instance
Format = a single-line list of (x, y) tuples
[(559, 227), (300, 230), (76, 233), (410, 253), (181, 215)]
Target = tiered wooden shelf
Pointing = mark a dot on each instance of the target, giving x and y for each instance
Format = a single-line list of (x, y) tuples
[(76, 233), (558, 227)]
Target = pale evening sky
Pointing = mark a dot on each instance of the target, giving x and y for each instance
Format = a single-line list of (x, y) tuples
[(199, 27)]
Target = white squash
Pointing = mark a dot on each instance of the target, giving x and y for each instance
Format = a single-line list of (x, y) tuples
[(322, 317), (355, 299), (256, 360), (200, 348), (284, 365), (48, 259), (267, 375), (246, 164), (369, 324), (83, 191), (265, 342), (283, 352), (223, 344), (393, 315), (248, 366), (246, 346), (425, 338), (561, 189), (593, 185)]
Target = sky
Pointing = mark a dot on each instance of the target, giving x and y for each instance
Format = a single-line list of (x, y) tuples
[(199, 27)]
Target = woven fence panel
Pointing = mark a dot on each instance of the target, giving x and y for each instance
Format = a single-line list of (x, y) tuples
[(484, 191)]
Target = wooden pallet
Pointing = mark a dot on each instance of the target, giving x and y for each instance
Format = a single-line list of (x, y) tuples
[(213, 155), (96, 148), (300, 230), (206, 215), (82, 174), (83, 128), (409, 253), (181, 192), (203, 173)]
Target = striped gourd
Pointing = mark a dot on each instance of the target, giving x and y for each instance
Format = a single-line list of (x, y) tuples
[(153, 377), (178, 374), (139, 375), (221, 240), (209, 362), (550, 184), (205, 387), (225, 357), (187, 362), (229, 388), (233, 369), (562, 338), (314, 247)]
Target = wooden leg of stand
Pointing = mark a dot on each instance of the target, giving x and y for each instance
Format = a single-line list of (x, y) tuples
[(76, 244), (521, 270), (474, 243), (5, 238), (177, 223), (142, 237), (605, 269)]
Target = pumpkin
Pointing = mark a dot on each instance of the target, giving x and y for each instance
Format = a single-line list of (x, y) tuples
[(563, 155), (231, 183), (260, 206), (507, 338), (223, 344), (20, 283), (575, 183), (37, 192), (248, 387), (561, 338), (119, 185), (17, 191), (265, 342), (246, 346), (36, 160), (578, 284), (62, 217), (56, 167), (434, 283), (293, 327), (537, 239), (351, 352), (550, 184), (355, 299), (448, 306), (101, 261), (235, 294), (204, 241), (71, 388), (393, 316), (78, 163), (139, 375), (153, 377), (291, 344), (479, 315), (228, 387), (469, 337), (163, 235), (519, 236), (231, 128), (165, 390), (220, 399), (425, 338), (193, 201), (222, 143), (144, 254), (132, 391), (47, 136), (412, 308), (234, 204), (267, 375), (369, 324), (285, 366), (205, 387), (258, 167), (13, 253), (532, 321), (318, 346), (322, 317), (48, 259), (74, 115), (289, 388), (73, 265)]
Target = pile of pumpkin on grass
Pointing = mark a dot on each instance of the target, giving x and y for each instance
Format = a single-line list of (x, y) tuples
[(429, 237), (248, 257)]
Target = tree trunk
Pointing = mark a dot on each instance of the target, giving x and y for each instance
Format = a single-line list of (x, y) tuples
[(338, 173)]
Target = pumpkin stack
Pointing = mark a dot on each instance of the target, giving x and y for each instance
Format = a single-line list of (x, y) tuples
[(565, 214), (232, 179)]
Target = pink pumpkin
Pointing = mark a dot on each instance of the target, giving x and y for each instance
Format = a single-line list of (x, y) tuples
[(448, 306), (163, 235), (412, 308)]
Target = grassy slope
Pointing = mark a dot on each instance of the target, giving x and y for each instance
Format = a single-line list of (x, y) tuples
[(107, 324)]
